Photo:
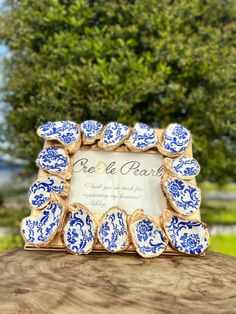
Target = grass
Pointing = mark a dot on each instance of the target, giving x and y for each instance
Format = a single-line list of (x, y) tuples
[(12, 217), (10, 242), (7, 192), (218, 212), (210, 187), (224, 243)]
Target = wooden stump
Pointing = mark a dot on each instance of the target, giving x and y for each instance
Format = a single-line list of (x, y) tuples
[(56, 282)]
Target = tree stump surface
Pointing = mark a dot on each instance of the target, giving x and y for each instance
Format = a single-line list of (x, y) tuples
[(57, 282)]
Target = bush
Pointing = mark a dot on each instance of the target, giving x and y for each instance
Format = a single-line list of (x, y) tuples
[(152, 61), (10, 242), (1, 200)]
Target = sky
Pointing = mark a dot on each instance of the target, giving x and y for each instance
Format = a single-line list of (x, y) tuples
[(3, 50)]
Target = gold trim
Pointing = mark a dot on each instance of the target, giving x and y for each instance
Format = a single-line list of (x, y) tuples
[(167, 176), (70, 148), (39, 212), (168, 166), (56, 243), (90, 141), (144, 149), (109, 148), (102, 220), (138, 215), (169, 154), (72, 208), (63, 194), (66, 175), (167, 215)]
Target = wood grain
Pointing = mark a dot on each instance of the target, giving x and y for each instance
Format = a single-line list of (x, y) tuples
[(56, 282)]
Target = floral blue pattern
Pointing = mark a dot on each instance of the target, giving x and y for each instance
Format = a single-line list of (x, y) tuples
[(65, 131), (53, 159), (79, 232), (186, 197), (176, 138), (187, 236), (40, 191), (41, 228), (148, 240), (90, 128), (112, 232), (114, 134), (142, 137), (185, 167)]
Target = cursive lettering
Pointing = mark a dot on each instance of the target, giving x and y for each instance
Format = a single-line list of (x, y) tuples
[(81, 165), (132, 167)]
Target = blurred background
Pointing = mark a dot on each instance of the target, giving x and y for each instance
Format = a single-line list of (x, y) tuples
[(155, 61)]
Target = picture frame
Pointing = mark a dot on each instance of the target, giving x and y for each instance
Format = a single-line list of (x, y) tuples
[(173, 175)]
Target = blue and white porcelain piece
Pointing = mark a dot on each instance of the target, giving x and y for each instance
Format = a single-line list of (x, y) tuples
[(185, 167), (79, 231), (184, 198), (40, 191), (90, 130), (187, 236), (143, 137), (53, 159), (113, 230), (37, 230), (65, 132), (114, 135), (149, 241), (175, 139)]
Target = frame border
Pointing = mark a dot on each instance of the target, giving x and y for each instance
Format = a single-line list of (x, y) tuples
[(95, 145)]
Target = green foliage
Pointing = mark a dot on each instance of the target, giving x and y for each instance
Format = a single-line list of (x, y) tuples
[(218, 212), (10, 242), (224, 243), (151, 61), (210, 187), (12, 218)]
